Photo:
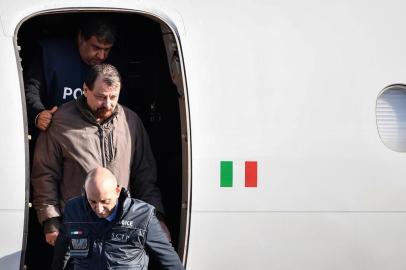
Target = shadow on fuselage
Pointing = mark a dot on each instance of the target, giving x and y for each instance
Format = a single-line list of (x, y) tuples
[(10, 261)]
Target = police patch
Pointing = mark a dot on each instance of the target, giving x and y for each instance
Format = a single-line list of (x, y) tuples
[(79, 248), (80, 243)]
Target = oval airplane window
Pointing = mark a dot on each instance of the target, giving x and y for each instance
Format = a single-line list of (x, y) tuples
[(391, 117)]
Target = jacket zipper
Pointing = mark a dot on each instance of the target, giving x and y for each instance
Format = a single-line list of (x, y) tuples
[(100, 250), (102, 146), (104, 259)]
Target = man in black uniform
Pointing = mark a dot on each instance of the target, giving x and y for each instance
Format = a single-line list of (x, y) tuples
[(62, 63), (106, 229)]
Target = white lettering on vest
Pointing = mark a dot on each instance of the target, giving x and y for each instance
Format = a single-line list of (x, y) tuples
[(121, 237), (67, 92), (75, 93), (127, 223)]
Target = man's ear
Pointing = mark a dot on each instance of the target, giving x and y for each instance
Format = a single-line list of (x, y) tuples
[(118, 190), (85, 89)]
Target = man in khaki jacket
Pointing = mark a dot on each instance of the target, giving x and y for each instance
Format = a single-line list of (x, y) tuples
[(91, 131)]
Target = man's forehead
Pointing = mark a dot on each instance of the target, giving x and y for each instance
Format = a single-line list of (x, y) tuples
[(98, 197), (99, 42), (101, 86)]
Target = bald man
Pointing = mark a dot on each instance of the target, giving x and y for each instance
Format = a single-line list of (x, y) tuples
[(106, 229)]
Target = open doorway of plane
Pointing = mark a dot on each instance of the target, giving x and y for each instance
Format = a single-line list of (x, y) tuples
[(148, 53)]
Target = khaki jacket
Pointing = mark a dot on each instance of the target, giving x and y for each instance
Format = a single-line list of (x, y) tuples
[(75, 143)]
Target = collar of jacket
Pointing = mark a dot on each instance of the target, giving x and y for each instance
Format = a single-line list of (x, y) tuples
[(122, 205), (81, 105)]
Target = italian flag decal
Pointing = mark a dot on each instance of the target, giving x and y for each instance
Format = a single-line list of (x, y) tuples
[(226, 174)]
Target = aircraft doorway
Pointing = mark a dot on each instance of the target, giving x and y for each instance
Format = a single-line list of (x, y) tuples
[(149, 64)]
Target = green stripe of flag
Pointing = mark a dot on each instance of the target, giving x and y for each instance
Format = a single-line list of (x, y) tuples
[(226, 173)]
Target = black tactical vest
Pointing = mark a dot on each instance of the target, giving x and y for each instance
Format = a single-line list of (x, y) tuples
[(64, 71)]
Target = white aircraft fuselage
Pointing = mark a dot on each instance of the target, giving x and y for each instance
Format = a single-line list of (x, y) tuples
[(291, 86)]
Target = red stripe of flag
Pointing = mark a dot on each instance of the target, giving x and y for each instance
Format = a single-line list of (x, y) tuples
[(250, 174)]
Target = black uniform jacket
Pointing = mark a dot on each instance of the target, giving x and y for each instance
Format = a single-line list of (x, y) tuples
[(124, 243)]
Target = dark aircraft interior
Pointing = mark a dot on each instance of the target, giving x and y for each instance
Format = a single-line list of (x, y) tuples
[(142, 61)]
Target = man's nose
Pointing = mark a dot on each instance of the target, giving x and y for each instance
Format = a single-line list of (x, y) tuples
[(99, 208), (102, 54), (107, 103)]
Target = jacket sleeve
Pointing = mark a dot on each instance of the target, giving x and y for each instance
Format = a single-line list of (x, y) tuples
[(143, 172), (34, 86), (46, 175), (157, 245)]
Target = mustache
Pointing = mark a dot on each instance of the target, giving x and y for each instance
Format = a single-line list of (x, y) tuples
[(102, 112)]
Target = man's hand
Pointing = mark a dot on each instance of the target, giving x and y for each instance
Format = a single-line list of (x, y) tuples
[(51, 237), (44, 118)]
